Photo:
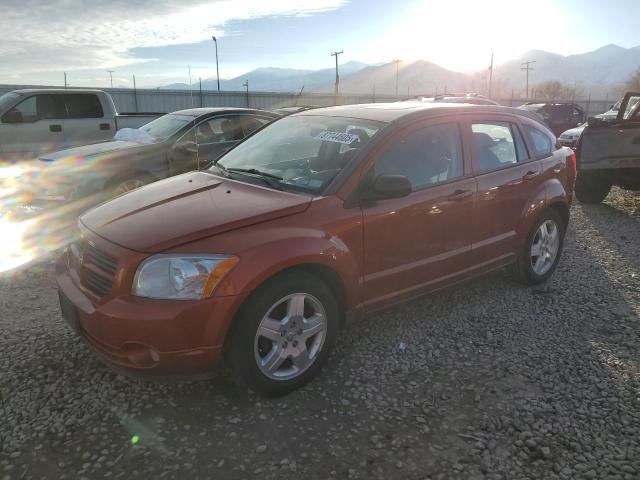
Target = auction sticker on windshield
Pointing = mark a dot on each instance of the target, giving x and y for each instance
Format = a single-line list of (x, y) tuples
[(337, 137)]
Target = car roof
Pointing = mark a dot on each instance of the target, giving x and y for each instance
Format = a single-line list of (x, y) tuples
[(198, 112), (389, 112), (56, 90)]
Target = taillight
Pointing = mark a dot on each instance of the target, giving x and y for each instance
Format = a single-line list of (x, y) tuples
[(572, 164)]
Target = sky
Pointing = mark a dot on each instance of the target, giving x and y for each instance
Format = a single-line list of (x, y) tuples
[(160, 41)]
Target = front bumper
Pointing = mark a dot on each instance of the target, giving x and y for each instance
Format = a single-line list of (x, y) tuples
[(144, 336)]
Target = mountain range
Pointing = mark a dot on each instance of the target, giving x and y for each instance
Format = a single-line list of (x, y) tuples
[(600, 72)]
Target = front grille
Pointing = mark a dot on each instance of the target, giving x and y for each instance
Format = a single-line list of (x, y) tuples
[(104, 262), (95, 268), (97, 283)]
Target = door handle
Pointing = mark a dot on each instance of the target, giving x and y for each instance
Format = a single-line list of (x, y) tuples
[(55, 128), (530, 175), (105, 126), (460, 195)]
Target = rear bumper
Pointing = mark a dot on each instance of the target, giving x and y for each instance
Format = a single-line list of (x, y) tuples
[(145, 337)]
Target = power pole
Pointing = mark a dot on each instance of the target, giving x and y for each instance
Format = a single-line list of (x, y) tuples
[(490, 74), (111, 76), (335, 93), (215, 40), (135, 92), (246, 85), (65, 79), (526, 67), (397, 62), (190, 86)]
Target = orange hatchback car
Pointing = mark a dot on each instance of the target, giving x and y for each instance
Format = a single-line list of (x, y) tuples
[(316, 217)]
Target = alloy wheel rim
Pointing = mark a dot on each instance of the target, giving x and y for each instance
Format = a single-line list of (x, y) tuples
[(290, 336), (544, 247)]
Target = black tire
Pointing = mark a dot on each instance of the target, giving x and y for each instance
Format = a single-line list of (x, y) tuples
[(241, 347), (592, 187), (522, 269)]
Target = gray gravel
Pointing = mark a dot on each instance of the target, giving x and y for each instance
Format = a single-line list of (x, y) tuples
[(497, 381)]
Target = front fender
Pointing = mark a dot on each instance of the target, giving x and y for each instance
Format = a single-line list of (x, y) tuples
[(289, 248)]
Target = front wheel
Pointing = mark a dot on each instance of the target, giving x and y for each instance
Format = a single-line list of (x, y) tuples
[(125, 185), (591, 188), (283, 334), (541, 251)]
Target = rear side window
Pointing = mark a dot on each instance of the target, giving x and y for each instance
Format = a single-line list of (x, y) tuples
[(83, 105), (494, 146), (251, 124), (427, 156), (541, 143)]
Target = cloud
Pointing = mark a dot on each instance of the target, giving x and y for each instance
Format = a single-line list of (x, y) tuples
[(77, 34)]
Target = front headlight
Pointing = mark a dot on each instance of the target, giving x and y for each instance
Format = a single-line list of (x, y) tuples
[(181, 277)]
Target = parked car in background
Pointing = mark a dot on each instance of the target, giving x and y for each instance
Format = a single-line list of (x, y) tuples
[(317, 217), (284, 111), (609, 153), (471, 98), (172, 144), (38, 121), (559, 117), (569, 138), (612, 113)]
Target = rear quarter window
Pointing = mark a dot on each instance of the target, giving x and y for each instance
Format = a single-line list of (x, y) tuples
[(83, 105), (541, 143)]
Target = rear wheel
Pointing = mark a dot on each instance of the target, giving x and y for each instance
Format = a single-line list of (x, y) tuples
[(592, 187), (541, 251), (283, 334)]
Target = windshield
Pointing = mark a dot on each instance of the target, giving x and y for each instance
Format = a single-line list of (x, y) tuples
[(302, 152), (166, 126), (7, 99)]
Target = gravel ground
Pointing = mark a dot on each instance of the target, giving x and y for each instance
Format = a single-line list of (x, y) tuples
[(496, 381)]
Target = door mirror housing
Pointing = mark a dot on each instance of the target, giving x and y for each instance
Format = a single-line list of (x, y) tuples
[(12, 116), (388, 186)]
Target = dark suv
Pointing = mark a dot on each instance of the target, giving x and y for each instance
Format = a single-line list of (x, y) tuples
[(558, 116)]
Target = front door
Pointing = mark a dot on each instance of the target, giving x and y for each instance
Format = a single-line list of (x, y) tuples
[(417, 241), (36, 126)]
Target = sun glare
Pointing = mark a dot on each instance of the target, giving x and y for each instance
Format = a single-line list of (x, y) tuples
[(460, 34)]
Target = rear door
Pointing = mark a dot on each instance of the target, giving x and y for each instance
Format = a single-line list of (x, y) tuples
[(507, 175), (85, 123), (613, 144), (418, 241), (34, 126)]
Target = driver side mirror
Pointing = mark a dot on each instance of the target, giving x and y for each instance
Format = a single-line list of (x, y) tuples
[(188, 147), (12, 116), (388, 186)]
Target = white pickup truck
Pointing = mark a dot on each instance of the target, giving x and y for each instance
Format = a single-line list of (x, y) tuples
[(38, 121)]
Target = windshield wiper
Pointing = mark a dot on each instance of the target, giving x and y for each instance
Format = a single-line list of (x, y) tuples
[(266, 177)]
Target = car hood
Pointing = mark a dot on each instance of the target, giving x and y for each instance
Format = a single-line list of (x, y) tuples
[(577, 131), (185, 208), (88, 150)]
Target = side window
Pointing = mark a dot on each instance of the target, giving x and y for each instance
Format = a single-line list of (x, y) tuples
[(577, 115), (251, 124), (41, 107), (427, 156), (83, 105), (631, 110), (541, 142), (493, 145), (210, 131)]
